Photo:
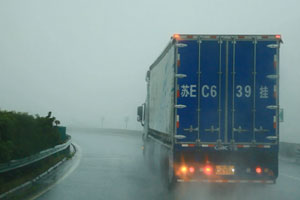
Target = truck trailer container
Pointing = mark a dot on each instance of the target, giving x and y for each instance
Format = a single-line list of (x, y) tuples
[(212, 109)]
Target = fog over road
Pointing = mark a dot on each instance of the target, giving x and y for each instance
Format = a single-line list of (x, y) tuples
[(112, 167)]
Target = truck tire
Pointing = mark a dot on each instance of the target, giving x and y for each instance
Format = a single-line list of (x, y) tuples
[(168, 174), (148, 155), (171, 178)]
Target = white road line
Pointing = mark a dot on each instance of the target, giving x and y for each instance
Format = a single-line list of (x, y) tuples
[(74, 166), (289, 176)]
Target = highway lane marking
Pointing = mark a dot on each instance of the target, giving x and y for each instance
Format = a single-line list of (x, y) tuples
[(78, 155), (291, 177)]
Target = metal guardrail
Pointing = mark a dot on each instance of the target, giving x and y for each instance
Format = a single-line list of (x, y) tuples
[(290, 150), (14, 164)]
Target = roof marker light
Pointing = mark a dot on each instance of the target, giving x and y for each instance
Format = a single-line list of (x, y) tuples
[(176, 36)]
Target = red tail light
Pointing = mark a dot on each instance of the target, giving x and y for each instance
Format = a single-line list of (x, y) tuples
[(258, 170), (208, 170), (191, 169)]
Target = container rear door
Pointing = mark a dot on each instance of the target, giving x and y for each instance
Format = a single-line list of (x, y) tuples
[(212, 91), (200, 91), (254, 98), (226, 91)]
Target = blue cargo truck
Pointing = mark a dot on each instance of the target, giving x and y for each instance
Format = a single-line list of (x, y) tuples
[(212, 109)]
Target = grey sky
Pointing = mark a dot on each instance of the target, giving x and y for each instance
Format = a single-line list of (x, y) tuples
[(87, 59)]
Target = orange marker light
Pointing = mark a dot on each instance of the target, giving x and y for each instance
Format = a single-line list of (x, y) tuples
[(278, 36), (208, 170), (176, 36), (183, 169)]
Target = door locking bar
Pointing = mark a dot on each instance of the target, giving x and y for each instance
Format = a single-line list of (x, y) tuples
[(261, 130), (240, 130), (212, 129), (191, 129)]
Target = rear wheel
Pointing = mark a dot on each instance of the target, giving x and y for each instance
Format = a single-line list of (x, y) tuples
[(171, 178)]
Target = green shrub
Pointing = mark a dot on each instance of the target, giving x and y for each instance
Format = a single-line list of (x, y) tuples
[(22, 135)]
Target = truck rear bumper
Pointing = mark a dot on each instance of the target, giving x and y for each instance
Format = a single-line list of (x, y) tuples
[(226, 181)]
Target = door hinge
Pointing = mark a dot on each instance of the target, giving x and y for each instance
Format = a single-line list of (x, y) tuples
[(180, 136), (272, 76), (272, 107), (181, 45), (272, 137), (180, 75), (180, 106), (273, 46)]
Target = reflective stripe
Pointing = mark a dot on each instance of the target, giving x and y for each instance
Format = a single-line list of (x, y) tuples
[(274, 122), (188, 36), (208, 145), (269, 181), (275, 61), (257, 181), (178, 60), (243, 146), (188, 145), (263, 146)]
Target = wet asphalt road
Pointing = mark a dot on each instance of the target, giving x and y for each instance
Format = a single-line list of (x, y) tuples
[(112, 167)]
